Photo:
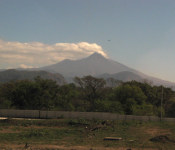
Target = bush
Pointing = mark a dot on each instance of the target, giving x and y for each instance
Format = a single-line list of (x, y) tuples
[(143, 110)]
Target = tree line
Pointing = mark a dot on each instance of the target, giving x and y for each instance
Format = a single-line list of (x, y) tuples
[(89, 94)]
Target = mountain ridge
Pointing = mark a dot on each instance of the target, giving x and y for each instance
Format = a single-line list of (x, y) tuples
[(13, 75), (94, 64), (97, 65)]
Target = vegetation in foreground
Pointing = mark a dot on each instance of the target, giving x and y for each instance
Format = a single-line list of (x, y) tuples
[(89, 134), (89, 94)]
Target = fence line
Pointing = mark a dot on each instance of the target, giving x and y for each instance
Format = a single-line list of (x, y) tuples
[(66, 114)]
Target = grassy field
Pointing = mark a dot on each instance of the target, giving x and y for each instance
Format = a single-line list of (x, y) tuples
[(81, 134)]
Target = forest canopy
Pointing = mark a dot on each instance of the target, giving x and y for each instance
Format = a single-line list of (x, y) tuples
[(88, 94)]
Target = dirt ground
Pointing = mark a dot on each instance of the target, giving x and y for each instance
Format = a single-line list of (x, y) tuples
[(56, 147), (157, 131), (148, 132)]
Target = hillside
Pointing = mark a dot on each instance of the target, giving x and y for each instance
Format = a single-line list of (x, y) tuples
[(13, 75), (123, 76)]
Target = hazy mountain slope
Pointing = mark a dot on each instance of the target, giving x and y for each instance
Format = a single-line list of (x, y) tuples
[(94, 65), (157, 81), (97, 65), (12, 74), (123, 76)]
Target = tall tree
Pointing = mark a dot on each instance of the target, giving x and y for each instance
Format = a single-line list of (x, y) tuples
[(92, 87), (129, 96)]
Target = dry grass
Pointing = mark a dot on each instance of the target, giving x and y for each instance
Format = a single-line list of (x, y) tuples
[(80, 134)]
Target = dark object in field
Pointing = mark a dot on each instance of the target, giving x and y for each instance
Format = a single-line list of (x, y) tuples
[(161, 138), (77, 123), (113, 138), (26, 146), (96, 128)]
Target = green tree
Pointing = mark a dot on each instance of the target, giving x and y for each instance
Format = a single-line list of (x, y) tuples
[(5, 92), (20, 93), (67, 97), (91, 88), (143, 110), (108, 106), (46, 93), (170, 108), (128, 96)]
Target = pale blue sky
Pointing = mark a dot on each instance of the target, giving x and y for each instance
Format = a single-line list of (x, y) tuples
[(141, 32)]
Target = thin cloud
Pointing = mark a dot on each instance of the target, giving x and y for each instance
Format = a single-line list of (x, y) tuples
[(36, 54), (25, 66)]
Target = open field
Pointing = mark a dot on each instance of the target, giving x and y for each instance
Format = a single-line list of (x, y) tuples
[(81, 134)]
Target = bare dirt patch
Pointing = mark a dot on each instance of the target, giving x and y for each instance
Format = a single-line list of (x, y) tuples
[(157, 131)]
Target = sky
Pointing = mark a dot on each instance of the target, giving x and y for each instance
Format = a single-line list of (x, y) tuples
[(136, 33)]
